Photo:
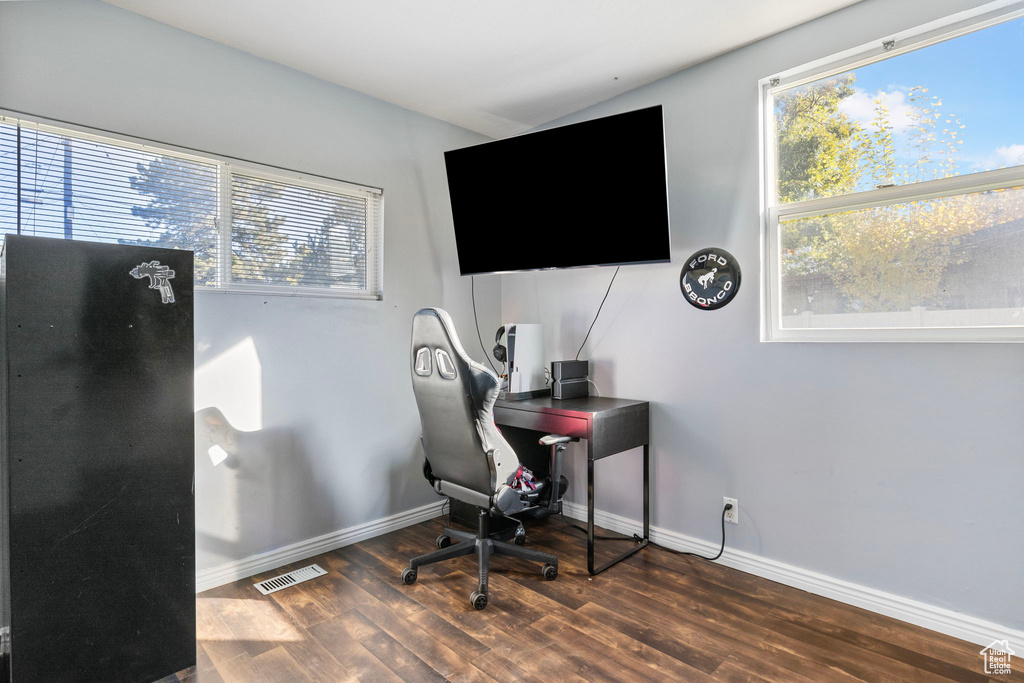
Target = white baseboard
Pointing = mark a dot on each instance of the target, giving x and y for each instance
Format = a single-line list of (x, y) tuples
[(927, 616), (921, 614), (261, 562)]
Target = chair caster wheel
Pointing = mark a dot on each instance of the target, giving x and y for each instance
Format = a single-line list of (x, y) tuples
[(519, 540), (478, 600), (408, 576), (550, 571), (443, 541)]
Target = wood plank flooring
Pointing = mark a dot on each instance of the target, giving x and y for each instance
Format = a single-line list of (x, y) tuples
[(658, 616)]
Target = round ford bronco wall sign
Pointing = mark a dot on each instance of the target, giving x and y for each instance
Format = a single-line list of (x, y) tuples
[(710, 279)]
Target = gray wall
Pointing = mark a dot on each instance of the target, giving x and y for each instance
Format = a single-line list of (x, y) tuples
[(892, 466), (339, 440), (896, 467)]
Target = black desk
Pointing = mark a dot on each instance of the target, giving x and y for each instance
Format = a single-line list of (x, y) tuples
[(609, 425)]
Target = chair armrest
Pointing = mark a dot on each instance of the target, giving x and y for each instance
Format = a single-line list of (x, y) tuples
[(507, 500), (555, 439), (557, 443)]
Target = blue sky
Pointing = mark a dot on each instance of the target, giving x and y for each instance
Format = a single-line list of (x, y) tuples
[(979, 78)]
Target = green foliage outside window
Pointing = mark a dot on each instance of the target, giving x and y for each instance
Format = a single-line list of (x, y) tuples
[(886, 258)]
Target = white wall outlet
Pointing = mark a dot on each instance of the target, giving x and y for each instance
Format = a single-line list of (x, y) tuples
[(733, 513)]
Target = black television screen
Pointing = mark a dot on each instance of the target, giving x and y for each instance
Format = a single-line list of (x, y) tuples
[(586, 194)]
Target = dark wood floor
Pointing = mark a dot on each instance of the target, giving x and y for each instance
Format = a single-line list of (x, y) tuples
[(656, 617)]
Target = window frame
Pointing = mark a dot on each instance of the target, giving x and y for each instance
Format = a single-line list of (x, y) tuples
[(226, 168), (773, 213)]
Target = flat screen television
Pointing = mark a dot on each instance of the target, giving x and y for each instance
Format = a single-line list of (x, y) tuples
[(593, 193)]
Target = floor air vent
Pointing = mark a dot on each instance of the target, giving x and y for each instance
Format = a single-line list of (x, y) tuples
[(290, 579)]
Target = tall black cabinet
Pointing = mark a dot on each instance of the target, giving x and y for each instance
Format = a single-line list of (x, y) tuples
[(97, 553)]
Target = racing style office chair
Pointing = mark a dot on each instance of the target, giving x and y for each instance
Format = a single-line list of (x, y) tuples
[(466, 457)]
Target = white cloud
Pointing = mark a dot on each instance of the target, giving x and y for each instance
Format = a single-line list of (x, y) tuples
[(1011, 155), (1001, 157), (860, 106)]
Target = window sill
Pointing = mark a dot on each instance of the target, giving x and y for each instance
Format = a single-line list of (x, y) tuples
[(293, 292)]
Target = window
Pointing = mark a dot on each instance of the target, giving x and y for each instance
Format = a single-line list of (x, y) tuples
[(894, 188), (251, 228)]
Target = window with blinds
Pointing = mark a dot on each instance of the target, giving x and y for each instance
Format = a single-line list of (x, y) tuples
[(250, 228)]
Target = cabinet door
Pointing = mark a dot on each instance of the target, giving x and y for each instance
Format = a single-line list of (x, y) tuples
[(100, 460)]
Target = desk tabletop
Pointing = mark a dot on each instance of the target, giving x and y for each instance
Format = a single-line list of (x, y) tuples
[(610, 425), (583, 406)]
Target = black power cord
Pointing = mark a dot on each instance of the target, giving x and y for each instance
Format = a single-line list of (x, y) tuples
[(565, 520), (638, 539), (447, 504), (728, 506), (472, 287), (598, 313)]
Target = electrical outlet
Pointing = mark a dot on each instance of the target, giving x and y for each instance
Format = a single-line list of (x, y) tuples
[(733, 513)]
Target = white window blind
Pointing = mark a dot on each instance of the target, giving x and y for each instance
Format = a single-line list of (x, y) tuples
[(286, 234), (250, 228)]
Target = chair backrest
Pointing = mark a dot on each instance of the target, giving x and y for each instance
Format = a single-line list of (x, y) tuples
[(455, 396)]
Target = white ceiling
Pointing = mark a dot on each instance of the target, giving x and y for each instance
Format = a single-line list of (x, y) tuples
[(492, 66)]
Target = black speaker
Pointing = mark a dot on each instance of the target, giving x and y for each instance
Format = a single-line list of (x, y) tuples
[(569, 378), (570, 369), (570, 388)]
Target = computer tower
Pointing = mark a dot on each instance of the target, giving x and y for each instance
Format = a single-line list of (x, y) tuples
[(97, 549)]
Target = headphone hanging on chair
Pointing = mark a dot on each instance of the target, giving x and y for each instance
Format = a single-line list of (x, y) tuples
[(499, 352)]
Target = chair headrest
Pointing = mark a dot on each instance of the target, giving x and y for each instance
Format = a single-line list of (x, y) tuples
[(437, 348)]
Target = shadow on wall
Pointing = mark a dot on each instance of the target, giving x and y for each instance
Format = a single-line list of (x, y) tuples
[(255, 491), (255, 487), (406, 481)]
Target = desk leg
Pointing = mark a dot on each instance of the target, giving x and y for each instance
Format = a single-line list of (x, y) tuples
[(590, 513), (647, 492)]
